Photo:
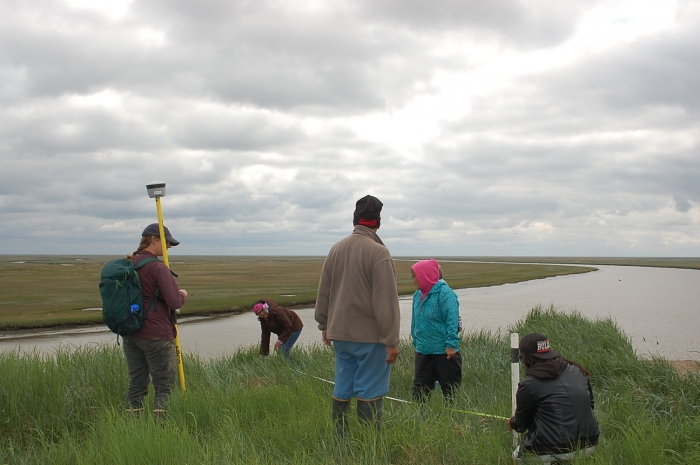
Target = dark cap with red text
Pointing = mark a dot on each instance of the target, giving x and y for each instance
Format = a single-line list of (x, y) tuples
[(537, 345)]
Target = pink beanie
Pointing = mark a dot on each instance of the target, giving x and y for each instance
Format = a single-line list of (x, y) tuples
[(257, 308)]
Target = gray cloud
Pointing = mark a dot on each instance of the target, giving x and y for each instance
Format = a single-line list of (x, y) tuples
[(263, 55), (256, 114), (682, 204), (518, 23)]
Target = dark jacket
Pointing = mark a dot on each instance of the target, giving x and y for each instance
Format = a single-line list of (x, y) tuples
[(159, 324), (558, 413), (281, 321)]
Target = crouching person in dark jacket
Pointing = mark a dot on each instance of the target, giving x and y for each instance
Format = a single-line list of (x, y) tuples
[(554, 404), (277, 319)]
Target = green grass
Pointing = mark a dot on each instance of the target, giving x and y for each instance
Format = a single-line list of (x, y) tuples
[(56, 290), (67, 408)]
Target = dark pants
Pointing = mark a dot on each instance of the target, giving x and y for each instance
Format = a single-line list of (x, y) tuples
[(145, 357), (431, 368)]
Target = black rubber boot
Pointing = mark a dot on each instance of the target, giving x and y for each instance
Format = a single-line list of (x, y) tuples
[(370, 412), (340, 415)]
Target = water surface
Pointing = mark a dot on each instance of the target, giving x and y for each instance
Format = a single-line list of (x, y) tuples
[(658, 308)]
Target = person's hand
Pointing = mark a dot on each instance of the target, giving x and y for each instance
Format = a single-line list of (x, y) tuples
[(450, 352), (508, 423), (183, 292), (278, 344), (325, 339), (392, 353)]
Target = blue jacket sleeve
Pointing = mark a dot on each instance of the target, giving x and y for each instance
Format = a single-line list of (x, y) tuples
[(414, 317), (450, 305)]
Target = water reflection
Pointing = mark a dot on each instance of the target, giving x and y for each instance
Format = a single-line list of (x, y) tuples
[(658, 308)]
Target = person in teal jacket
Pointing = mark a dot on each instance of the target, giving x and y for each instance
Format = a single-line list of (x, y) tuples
[(435, 332)]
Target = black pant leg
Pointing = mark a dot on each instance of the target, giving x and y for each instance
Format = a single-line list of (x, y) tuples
[(449, 373), (424, 380)]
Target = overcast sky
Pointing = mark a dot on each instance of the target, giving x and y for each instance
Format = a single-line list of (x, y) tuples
[(486, 127)]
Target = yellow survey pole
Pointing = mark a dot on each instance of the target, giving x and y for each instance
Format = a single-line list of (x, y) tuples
[(157, 190)]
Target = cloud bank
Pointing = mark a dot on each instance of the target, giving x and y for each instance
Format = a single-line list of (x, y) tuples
[(486, 128)]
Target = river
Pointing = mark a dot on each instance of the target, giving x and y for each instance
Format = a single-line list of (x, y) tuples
[(658, 309)]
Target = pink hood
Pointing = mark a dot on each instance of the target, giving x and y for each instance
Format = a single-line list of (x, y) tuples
[(427, 272)]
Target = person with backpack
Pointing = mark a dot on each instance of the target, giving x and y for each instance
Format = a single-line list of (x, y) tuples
[(277, 319), (150, 351), (434, 332)]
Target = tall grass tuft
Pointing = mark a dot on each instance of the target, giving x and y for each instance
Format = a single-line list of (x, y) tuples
[(68, 407)]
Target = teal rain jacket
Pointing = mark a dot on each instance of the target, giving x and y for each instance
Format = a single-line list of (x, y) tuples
[(435, 322)]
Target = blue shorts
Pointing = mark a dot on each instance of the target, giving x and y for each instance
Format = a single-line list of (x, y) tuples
[(360, 370)]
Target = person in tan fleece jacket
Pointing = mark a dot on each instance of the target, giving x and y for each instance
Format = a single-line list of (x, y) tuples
[(357, 310)]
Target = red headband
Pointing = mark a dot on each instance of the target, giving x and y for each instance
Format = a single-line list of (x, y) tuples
[(368, 223)]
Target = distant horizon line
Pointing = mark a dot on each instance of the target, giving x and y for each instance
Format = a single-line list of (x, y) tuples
[(394, 256)]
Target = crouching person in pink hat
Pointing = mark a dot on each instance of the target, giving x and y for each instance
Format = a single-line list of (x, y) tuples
[(277, 319), (554, 404)]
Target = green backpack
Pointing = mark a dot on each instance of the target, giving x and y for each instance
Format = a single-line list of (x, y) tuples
[(122, 300)]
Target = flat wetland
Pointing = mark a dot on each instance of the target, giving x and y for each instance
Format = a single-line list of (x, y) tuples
[(67, 407), (53, 290)]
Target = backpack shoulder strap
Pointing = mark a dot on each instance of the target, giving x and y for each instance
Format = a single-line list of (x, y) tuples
[(152, 306), (145, 262)]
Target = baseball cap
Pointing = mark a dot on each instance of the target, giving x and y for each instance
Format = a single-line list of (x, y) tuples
[(152, 230), (537, 345)]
